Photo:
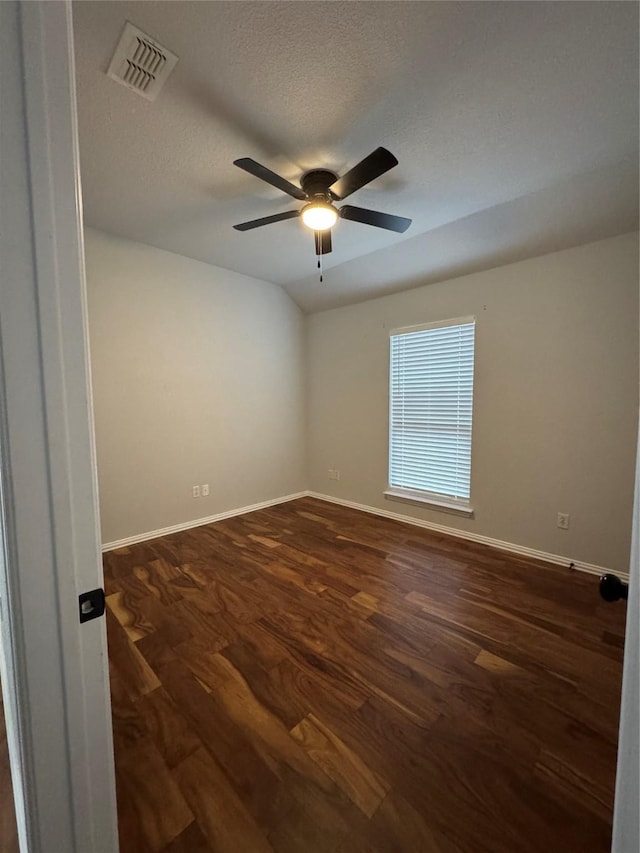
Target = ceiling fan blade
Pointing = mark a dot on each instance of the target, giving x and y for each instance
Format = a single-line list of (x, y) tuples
[(323, 242), (267, 220), (376, 164), (270, 177), (374, 217)]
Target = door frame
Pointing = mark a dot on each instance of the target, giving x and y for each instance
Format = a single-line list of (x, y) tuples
[(55, 669), (626, 810)]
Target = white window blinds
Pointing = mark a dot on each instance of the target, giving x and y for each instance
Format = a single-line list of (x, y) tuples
[(431, 409)]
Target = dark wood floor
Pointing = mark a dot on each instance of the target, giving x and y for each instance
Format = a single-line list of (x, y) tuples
[(311, 678)]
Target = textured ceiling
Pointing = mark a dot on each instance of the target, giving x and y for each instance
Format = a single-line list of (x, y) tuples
[(515, 124)]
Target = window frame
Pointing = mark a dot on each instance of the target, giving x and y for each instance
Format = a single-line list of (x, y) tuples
[(436, 500)]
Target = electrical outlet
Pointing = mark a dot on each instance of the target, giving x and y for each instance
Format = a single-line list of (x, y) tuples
[(334, 474), (563, 520), (195, 491), (205, 490)]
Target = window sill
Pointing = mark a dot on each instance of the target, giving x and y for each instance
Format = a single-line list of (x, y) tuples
[(433, 503)]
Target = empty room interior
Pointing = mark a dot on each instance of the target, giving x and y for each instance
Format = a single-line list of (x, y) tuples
[(360, 474)]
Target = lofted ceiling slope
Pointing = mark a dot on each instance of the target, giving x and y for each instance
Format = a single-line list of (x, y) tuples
[(515, 126)]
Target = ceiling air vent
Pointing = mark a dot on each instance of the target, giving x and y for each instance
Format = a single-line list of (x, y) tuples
[(140, 63)]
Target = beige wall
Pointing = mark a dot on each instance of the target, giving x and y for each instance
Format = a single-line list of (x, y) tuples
[(556, 398), (197, 378)]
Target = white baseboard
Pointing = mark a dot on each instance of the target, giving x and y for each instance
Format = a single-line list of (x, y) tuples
[(198, 522), (474, 537), (510, 547)]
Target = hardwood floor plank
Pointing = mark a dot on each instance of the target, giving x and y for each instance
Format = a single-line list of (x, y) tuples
[(129, 615), (197, 572), (398, 827), (370, 674), (149, 799), (169, 730), (570, 782), (266, 731), (165, 592), (492, 626), (222, 817), (234, 603), (348, 771), (190, 840), (494, 663), (137, 676), (261, 645), (198, 654), (290, 576), (129, 726), (308, 831), (164, 570), (246, 769), (267, 685)]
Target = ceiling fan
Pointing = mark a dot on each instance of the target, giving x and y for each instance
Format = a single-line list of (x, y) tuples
[(320, 188)]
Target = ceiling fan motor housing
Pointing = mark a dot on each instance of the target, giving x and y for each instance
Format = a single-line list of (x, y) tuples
[(315, 184)]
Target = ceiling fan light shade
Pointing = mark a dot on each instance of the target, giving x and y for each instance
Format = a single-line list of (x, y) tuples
[(319, 215)]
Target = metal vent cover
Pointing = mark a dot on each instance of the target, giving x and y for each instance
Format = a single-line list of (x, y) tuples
[(140, 63)]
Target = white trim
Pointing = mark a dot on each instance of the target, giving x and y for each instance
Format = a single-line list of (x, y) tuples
[(198, 522), (511, 547), (60, 714), (437, 324), (626, 822), (430, 499)]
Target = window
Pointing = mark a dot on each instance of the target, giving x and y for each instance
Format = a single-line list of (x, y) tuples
[(431, 402)]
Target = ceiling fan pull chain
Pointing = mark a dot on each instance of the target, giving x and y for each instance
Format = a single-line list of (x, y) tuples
[(319, 247)]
